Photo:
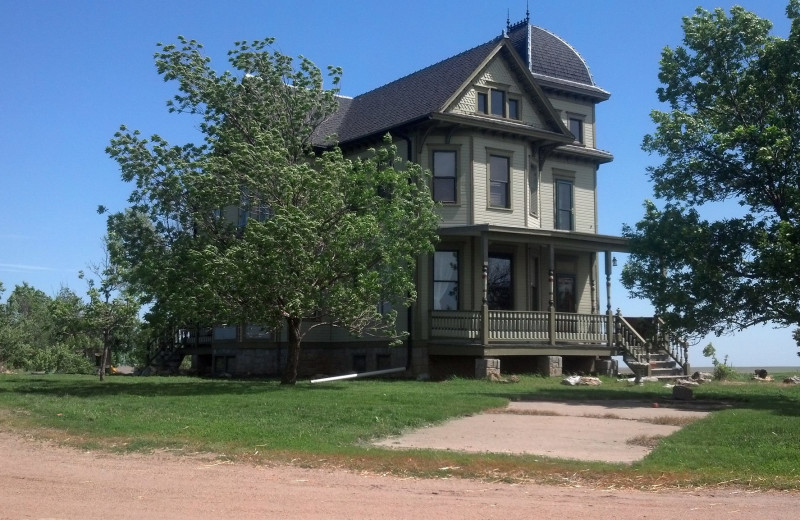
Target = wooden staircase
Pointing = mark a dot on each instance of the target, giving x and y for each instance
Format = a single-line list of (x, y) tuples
[(166, 357), (649, 349)]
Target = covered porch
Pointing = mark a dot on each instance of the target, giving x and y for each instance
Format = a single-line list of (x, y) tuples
[(493, 285), (505, 291)]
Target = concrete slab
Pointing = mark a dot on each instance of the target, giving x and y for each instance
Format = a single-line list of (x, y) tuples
[(595, 431)]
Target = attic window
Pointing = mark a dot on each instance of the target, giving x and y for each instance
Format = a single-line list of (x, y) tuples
[(498, 103), (483, 103), (498, 107), (513, 108)]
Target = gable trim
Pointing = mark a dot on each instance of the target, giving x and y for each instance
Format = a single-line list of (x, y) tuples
[(526, 82)]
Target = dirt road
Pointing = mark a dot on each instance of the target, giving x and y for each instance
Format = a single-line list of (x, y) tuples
[(43, 481)]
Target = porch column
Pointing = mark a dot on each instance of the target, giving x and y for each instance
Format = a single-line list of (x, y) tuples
[(610, 324), (485, 289), (593, 281), (552, 303)]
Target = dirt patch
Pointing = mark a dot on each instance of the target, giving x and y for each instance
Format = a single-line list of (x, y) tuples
[(594, 431)]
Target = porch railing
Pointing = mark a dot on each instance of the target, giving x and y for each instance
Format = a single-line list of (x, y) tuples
[(511, 326), (456, 324), (676, 347)]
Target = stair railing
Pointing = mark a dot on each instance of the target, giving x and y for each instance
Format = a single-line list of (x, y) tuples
[(676, 347), (636, 349)]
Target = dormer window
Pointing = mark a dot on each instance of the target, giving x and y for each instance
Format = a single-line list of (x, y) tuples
[(498, 103), (483, 103), (513, 108), (498, 106)]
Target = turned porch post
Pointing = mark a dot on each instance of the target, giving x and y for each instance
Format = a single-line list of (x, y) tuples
[(552, 302), (609, 314), (485, 297)]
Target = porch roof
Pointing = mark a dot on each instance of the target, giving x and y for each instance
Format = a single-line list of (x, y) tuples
[(567, 239)]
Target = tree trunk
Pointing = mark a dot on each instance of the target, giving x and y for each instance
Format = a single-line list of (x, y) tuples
[(293, 355), (104, 356)]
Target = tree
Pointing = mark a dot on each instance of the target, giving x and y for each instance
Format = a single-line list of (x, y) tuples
[(256, 226), (112, 313), (42, 333), (732, 133)]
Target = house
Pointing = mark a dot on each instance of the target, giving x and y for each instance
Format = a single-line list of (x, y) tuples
[(509, 132)]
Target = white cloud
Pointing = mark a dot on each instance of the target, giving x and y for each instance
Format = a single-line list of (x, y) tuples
[(23, 268)]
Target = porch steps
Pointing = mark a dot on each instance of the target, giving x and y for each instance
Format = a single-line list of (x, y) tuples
[(166, 361), (661, 366)]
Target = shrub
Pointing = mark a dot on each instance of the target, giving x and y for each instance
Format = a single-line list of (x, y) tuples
[(722, 370)]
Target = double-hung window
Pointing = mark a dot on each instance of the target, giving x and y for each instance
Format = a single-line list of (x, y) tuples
[(498, 106), (499, 182), (564, 204), (445, 281), (445, 176)]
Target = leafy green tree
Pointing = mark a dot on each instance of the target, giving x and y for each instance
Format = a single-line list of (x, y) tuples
[(256, 226), (28, 325), (731, 134), (112, 314), (43, 333)]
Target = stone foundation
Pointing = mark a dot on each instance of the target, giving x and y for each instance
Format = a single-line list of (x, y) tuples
[(551, 366), (487, 368)]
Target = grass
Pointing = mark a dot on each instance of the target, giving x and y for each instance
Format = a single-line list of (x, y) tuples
[(753, 442)]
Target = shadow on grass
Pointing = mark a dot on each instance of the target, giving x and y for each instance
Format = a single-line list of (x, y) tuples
[(779, 399), (161, 386)]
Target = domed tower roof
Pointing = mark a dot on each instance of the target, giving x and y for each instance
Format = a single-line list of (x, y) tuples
[(553, 61)]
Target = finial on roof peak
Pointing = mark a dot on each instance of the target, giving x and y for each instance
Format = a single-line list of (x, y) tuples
[(510, 27)]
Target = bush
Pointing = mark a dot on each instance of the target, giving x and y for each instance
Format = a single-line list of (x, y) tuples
[(59, 358), (722, 370)]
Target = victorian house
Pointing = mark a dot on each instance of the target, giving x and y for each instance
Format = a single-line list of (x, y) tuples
[(509, 132)]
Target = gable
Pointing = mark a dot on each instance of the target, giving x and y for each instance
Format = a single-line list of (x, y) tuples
[(505, 72)]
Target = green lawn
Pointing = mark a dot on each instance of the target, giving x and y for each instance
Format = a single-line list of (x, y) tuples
[(755, 442)]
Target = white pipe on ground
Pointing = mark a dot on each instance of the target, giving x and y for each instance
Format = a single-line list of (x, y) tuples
[(362, 374)]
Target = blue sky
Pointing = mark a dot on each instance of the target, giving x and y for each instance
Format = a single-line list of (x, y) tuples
[(75, 70)]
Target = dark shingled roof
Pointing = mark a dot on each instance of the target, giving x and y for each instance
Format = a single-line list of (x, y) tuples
[(417, 95), (548, 55), (406, 99)]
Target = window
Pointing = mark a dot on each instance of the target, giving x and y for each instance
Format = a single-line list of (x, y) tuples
[(576, 127), (498, 103), (565, 292), (359, 363), (250, 207), (483, 103), (385, 307), (499, 287), (564, 204), (445, 280), (513, 108), (498, 107), (224, 365), (444, 176), (499, 182)]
